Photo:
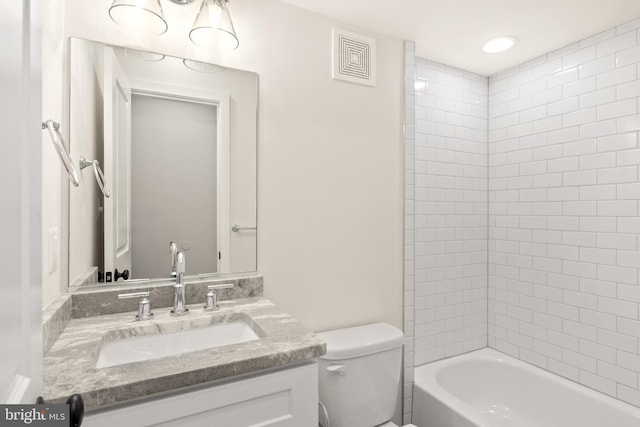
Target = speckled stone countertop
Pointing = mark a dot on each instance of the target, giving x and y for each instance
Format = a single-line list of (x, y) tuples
[(69, 366)]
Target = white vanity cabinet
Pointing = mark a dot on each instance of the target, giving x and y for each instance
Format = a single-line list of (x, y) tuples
[(280, 398)]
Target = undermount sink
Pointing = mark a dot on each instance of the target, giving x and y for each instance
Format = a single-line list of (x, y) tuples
[(164, 340)]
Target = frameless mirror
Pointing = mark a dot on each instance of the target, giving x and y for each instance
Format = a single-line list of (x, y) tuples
[(167, 151)]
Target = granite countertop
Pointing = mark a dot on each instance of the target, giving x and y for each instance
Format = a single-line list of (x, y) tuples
[(69, 366)]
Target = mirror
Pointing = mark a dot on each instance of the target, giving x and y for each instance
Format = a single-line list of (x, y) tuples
[(176, 142)]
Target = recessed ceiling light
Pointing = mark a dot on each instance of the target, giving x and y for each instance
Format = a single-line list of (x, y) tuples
[(499, 44)]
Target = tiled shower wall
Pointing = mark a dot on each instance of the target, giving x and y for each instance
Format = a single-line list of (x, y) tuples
[(409, 179), (563, 202), (564, 231), (450, 212)]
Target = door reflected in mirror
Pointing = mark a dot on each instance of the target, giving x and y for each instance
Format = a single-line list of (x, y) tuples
[(178, 147)]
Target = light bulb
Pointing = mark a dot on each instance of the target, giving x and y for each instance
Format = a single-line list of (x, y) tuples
[(214, 10)]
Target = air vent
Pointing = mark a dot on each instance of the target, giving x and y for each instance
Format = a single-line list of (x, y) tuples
[(354, 58)]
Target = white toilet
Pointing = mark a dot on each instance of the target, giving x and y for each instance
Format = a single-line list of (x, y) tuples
[(359, 377)]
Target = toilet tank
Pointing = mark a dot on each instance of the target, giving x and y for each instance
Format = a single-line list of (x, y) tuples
[(359, 376)]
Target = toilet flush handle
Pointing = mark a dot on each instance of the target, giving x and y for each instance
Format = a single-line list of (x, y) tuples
[(337, 369)]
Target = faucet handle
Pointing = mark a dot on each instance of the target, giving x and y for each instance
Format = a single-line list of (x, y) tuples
[(212, 298), (144, 305)]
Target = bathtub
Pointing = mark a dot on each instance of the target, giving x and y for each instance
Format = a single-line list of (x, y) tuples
[(486, 388)]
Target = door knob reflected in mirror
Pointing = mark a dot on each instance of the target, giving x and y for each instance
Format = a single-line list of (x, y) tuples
[(117, 275)]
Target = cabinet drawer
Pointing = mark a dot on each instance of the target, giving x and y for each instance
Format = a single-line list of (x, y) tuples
[(282, 398)]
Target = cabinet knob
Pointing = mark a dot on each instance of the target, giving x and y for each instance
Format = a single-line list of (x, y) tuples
[(76, 409)]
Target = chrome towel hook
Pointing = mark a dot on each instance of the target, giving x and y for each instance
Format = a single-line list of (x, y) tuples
[(97, 172), (56, 137)]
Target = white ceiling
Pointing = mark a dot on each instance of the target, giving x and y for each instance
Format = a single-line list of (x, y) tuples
[(453, 31)]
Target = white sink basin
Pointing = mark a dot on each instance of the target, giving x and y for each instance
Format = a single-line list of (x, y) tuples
[(156, 345)]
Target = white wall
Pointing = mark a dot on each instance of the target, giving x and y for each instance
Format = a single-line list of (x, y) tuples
[(330, 158), (53, 86), (21, 210), (331, 175), (564, 199)]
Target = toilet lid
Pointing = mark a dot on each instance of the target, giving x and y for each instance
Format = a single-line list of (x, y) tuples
[(359, 341)]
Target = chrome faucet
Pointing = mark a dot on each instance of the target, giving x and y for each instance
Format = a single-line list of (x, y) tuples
[(173, 250), (179, 295)]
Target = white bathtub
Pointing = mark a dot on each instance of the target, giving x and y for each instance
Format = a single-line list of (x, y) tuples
[(486, 388)]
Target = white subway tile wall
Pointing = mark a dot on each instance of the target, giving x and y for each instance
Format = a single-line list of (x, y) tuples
[(564, 198), (447, 194), (409, 150)]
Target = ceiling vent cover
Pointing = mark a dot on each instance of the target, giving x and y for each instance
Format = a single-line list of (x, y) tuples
[(354, 58)]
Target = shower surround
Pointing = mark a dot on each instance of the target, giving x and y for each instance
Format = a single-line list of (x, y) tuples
[(450, 240), (525, 229)]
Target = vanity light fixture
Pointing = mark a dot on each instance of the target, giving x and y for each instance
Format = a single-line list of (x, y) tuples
[(142, 15), (213, 28), (499, 44)]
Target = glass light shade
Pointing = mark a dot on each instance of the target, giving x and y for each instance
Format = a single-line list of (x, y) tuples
[(140, 54), (213, 28), (203, 67), (139, 15), (499, 44)]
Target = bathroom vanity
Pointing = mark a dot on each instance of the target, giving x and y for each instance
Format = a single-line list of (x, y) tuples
[(282, 398), (258, 368)]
